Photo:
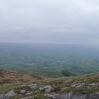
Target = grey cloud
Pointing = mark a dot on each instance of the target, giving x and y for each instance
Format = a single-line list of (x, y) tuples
[(49, 21)]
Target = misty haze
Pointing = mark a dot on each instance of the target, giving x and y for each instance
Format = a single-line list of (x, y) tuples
[(49, 49)]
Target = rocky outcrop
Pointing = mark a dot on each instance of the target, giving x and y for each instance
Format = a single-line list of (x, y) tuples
[(33, 91), (73, 95), (94, 84), (76, 95), (3, 96), (93, 96), (10, 93)]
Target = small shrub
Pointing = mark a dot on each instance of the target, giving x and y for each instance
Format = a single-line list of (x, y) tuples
[(66, 73)]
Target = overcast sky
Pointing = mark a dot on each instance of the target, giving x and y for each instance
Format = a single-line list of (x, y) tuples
[(49, 21)]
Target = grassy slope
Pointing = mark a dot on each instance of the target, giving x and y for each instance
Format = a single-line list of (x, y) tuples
[(59, 83)]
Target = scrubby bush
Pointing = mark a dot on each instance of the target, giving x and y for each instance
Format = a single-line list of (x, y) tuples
[(66, 73)]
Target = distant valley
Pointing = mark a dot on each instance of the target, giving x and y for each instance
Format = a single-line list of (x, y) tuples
[(49, 59)]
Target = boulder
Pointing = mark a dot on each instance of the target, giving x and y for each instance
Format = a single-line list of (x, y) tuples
[(33, 86), (47, 88), (30, 97), (64, 96), (52, 96), (2, 96), (97, 93), (10, 93), (80, 85), (28, 93), (69, 80), (77, 95), (49, 96), (94, 84), (72, 95), (62, 89), (23, 91), (93, 96), (41, 88)]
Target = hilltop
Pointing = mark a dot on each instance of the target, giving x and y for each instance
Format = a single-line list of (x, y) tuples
[(50, 88)]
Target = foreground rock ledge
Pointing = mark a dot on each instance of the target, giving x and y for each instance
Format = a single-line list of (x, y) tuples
[(73, 95)]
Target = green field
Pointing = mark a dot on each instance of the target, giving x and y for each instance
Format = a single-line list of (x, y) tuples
[(49, 59)]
